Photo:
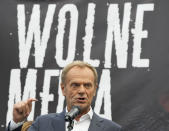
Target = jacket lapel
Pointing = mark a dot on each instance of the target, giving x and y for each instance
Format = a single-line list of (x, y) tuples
[(96, 123)]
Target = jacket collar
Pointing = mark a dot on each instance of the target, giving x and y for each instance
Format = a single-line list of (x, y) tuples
[(96, 123)]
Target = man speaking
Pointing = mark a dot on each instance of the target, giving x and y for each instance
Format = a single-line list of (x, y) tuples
[(78, 84)]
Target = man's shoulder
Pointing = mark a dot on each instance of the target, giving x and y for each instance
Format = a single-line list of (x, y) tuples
[(49, 116), (112, 123), (109, 124)]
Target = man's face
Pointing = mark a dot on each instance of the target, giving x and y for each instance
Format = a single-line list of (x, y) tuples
[(79, 88)]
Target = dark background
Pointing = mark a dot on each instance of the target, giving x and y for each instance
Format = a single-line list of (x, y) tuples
[(140, 96)]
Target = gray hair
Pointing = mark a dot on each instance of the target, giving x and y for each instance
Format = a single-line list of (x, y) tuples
[(78, 64)]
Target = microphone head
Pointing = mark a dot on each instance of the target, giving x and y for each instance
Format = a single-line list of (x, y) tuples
[(75, 111), (76, 108)]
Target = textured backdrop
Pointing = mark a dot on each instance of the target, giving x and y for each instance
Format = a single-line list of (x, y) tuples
[(126, 40)]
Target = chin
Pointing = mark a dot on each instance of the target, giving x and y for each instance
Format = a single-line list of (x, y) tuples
[(84, 108)]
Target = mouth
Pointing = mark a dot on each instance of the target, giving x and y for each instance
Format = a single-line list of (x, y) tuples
[(81, 100)]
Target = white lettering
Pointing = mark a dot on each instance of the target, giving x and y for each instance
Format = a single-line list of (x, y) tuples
[(72, 35), (40, 40), (104, 92), (45, 95), (121, 39), (15, 90), (139, 34), (88, 37)]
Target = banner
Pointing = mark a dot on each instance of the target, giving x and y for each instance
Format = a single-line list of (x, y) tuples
[(126, 40)]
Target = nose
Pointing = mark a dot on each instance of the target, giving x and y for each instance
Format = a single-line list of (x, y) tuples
[(82, 89)]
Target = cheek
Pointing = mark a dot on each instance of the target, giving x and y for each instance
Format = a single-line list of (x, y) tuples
[(70, 93), (91, 94)]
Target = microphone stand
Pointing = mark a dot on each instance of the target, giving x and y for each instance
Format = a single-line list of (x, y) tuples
[(71, 115), (70, 125)]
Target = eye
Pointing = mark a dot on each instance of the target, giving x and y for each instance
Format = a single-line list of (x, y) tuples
[(87, 85), (75, 85)]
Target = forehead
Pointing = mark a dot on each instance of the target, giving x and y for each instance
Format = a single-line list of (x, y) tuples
[(80, 73)]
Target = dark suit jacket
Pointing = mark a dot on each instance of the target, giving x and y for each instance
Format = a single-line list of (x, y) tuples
[(56, 122)]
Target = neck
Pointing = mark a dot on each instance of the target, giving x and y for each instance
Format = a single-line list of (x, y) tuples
[(79, 116)]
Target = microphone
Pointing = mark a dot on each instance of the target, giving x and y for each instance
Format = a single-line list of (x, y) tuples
[(75, 111)]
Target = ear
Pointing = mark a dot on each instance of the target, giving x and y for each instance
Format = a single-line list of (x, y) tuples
[(63, 88), (96, 86)]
